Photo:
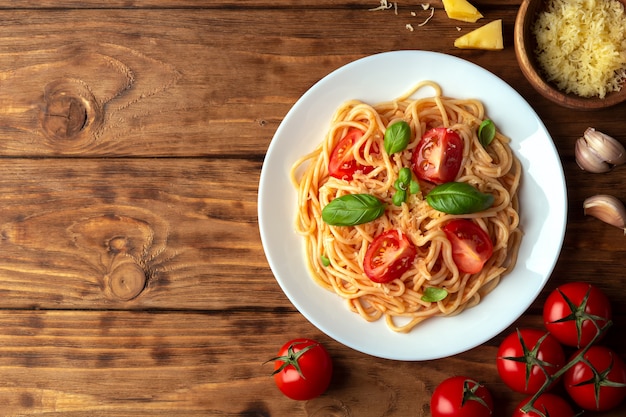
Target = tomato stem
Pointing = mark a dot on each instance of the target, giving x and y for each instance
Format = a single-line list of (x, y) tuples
[(291, 358)]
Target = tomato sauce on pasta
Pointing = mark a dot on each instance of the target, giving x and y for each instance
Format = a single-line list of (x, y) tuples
[(335, 254)]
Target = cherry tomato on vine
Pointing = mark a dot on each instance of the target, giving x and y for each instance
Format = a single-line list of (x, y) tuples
[(438, 155), (574, 312), (342, 162), (597, 382), (547, 404), (526, 357), (302, 369), (389, 256), (460, 396)]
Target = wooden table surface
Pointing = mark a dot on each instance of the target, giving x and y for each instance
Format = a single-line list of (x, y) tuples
[(133, 281)]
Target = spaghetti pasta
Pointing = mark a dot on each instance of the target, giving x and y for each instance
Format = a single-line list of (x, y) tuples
[(335, 254)]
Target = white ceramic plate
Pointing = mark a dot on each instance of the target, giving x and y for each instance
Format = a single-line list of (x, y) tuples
[(543, 199)]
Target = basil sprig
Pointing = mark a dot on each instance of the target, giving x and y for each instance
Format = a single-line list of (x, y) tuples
[(352, 209), (486, 132), (458, 198), (405, 185), (397, 137)]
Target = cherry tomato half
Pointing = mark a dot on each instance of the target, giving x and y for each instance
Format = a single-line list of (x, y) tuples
[(342, 163), (389, 256), (302, 369), (471, 245), (599, 382), (574, 313), (526, 356), (438, 155), (460, 396), (548, 405)]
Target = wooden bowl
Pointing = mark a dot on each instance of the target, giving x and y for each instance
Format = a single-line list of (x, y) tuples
[(525, 44)]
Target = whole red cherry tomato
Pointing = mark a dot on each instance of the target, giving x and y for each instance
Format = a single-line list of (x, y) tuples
[(342, 162), (389, 256), (547, 404), (460, 396), (526, 356), (438, 155), (302, 369), (574, 312), (598, 382)]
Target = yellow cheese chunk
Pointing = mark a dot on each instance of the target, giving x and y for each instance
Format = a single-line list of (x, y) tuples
[(461, 10), (488, 37)]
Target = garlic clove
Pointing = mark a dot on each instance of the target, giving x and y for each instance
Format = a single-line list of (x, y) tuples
[(588, 160), (607, 147), (606, 208), (600, 152)]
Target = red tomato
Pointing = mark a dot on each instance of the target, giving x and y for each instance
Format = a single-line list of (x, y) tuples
[(460, 396), (574, 312), (438, 155), (342, 164), (471, 245), (547, 405), (302, 369), (598, 382), (526, 356), (388, 256)]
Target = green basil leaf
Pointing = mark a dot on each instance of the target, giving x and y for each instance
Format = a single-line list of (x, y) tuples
[(352, 209), (397, 137), (325, 260), (414, 187), (405, 176), (399, 197), (486, 132), (434, 294), (458, 198)]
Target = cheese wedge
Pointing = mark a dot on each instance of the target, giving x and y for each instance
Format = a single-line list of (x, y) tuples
[(461, 10), (488, 37)]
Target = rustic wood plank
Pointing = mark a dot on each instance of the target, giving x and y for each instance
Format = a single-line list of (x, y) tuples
[(195, 4), (173, 89), (132, 234), (80, 363)]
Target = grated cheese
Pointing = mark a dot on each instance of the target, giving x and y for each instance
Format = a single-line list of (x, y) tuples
[(581, 45), (385, 5)]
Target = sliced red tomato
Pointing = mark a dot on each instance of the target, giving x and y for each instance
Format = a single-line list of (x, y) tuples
[(575, 312), (527, 357), (460, 396), (597, 383), (471, 245), (342, 163), (545, 405), (389, 256), (438, 155)]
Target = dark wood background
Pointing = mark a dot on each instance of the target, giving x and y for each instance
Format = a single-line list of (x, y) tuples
[(132, 135)]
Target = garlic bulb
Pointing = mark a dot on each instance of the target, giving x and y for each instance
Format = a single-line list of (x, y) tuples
[(598, 152), (607, 208)]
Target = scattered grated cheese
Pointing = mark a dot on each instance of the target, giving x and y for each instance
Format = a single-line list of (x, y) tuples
[(385, 5), (581, 45), (432, 13), (409, 27)]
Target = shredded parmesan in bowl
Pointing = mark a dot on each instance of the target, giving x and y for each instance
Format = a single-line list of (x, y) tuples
[(581, 45)]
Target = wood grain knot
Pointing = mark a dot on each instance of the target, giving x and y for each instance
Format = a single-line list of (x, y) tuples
[(127, 279), (70, 113)]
